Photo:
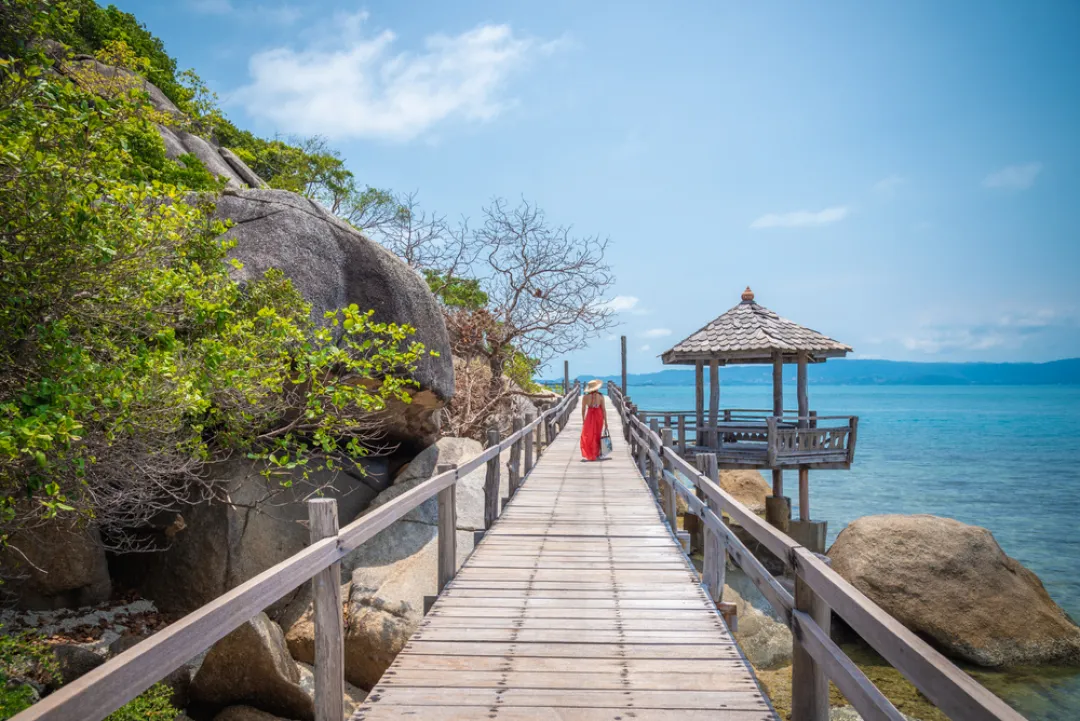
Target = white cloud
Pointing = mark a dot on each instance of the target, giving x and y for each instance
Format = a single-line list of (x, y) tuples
[(350, 83), (621, 303), (802, 218), (888, 186), (645, 347), (1014, 330), (1013, 177), (656, 332)]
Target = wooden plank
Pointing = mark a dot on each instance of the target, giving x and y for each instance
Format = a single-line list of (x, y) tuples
[(328, 617), (560, 698), (714, 401), (379, 712), (447, 531), (491, 482)]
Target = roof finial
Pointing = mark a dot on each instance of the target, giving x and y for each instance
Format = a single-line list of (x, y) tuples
[(748, 295)]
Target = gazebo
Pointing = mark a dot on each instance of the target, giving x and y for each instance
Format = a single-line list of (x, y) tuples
[(752, 334)]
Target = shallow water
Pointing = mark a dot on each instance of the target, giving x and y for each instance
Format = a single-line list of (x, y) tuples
[(1006, 458)]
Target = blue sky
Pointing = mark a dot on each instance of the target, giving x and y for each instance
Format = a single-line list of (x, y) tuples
[(904, 177)]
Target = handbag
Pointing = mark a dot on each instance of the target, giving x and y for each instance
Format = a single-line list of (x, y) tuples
[(605, 443)]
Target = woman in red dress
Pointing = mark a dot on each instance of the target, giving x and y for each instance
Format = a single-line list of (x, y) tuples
[(594, 421)]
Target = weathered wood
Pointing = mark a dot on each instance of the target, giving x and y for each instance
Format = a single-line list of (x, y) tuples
[(715, 562), (566, 377), (809, 685), (622, 343), (699, 401), (682, 435), (670, 505), (528, 440), (491, 481), (515, 457), (778, 383), (714, 401), (655, 468), (851, 439), (328, 617), (804, 493), (447, 529), (958, 695)]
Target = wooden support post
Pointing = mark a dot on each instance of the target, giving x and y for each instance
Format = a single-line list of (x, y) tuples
[(670, 507), (809, 684), (714, 401), (528, 439), (778, 383), (699, 402), (682, 435), (628, 408), (804, 400), (642, 458), (329, 620), (491, 482), (714, 568), (447, 529), (655, 473), (566, 377), (804, 493), (515, 459), (623, 386)]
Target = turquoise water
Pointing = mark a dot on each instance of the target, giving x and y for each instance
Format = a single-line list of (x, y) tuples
[(1006, 458)]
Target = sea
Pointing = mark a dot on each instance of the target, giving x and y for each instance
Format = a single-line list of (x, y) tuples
[(1003, 457)]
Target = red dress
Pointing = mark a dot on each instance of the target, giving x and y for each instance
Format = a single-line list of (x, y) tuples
[(591, 432)]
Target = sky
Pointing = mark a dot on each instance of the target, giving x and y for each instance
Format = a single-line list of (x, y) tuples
[(904, 177)]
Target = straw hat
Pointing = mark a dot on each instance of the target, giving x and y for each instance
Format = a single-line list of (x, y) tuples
[(593, 386)]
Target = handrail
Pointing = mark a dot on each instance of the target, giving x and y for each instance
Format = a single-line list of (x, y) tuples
[(954, 692), (98, 693)]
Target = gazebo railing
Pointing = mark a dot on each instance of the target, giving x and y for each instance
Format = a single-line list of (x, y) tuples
[(759, 438)]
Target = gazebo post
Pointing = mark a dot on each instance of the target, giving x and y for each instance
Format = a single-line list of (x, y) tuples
[(810, 534), (699, 401), (714, 402), (777, 509)]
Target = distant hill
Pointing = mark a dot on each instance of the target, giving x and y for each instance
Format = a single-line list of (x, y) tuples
[(883, 372)]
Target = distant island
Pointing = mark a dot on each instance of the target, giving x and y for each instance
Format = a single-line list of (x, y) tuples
[(883, 372)]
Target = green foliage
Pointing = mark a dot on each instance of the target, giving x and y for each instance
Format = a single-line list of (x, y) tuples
[(155, 704), (124, 342), (521, 369), (463, 293), (23, 657)]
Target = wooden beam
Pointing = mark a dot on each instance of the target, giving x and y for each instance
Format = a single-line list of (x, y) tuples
[(804, 401), (809, 685), (491, 480), (699, 402), (714, 401), (804, 493), (528, 438), (566, 377), (778, 384), (623, 343), (447, 530), (515, 457), (329, 620)]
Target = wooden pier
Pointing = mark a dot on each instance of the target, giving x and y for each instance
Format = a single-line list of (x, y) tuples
[(578, 604)]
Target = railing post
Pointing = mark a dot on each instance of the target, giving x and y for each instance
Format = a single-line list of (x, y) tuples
[(626, 417), (671, 510), (682, 435), (654, 472), (528, 439), (773, 440), (447, 528), (851, 438), (809, 684), (329, 619), (714, 568), (515, 458), (491, 482)]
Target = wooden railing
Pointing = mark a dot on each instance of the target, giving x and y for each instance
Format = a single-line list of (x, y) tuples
[(819, 591), (108, 687), (747, 436)]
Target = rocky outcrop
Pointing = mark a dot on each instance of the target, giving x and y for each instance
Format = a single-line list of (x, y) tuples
[(952, 584), (57, 565), (251, 666), (332, 266), (220, 546), (390, 574), (763, 638), (246, 713), (748, 486)]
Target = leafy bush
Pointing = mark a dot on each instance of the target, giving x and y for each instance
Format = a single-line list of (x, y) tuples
[(124, 342), (155, 704)]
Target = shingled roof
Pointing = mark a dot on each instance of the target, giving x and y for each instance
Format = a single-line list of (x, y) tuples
[(750, 333)]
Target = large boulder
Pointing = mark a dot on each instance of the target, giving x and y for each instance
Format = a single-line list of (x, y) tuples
[(762, 636), (57, 565), (389, 575), (952, 584), (219, 546), (332, 266), (251, 666), (748, 486)]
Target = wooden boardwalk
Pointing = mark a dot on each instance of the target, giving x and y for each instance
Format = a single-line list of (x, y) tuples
[(577, 605)]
